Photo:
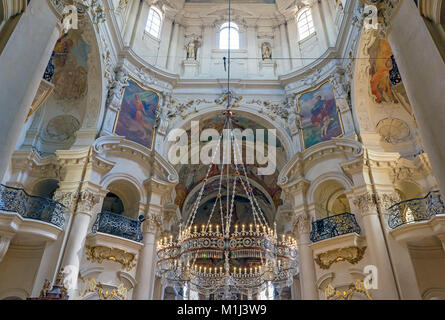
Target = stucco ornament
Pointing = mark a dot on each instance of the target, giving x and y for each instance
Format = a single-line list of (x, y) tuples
[(100, 253), (120, 82), (350, 254)]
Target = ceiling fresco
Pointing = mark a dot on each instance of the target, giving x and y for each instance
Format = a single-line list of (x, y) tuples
[(192, 175)]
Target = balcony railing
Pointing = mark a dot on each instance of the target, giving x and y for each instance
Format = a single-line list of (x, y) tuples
[(118, 225), (417, 209), (334, 226), (32, 207)]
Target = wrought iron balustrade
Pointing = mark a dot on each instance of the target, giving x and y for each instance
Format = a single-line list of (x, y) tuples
[(32, 207), (417, 209), (118, 225), (334, 226)]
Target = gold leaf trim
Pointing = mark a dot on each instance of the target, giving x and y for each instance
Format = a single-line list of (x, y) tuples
[(358, 287), (101, 253), (350, 254)]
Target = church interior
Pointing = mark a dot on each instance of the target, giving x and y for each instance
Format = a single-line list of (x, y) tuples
[(222, 149)]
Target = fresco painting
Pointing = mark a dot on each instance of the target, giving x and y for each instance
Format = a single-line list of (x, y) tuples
[(319, 115), (137, 116), (384, 72), (70, 66)]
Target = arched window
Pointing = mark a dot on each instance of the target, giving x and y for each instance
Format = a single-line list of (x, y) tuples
[(154, 21), (305, 24), (224, 38)]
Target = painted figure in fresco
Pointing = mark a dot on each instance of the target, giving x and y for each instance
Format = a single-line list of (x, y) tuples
[(380, 70), (321, 115), (139, 112)]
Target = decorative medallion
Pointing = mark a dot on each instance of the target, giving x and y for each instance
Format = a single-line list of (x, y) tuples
[(100, 253), (393, 130), (350, 254)]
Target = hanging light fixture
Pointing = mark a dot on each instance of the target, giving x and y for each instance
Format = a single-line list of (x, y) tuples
[(226, 258)]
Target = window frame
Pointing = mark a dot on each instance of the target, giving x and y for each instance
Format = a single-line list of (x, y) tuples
[(306, 28), (149, 22), (228, 27)]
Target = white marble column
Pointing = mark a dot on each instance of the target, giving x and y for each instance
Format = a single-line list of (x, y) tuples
[(51, 258), (252, 48), (423, 73), (145, 274), (76, 240), (166, 31), (328, 21), (294, 49), (365, 206), (306, 260), (173, 48), (284, 49), (296, 289), (22, 64), (130, 24)]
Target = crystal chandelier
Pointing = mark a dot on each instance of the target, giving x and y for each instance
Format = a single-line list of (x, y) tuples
[(225, 259), (222, 258)]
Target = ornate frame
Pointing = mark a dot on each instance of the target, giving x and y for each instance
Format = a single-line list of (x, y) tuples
[(158, 106), (299, 110)]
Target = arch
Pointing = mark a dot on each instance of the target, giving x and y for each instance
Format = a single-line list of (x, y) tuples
[(112, 203), (16, 293), (328, 194), (261, 119), (434, 294), (408, 189), (128, 189), (229, 36), (45, 188), (329, 176), (305, 23), (154, 22)]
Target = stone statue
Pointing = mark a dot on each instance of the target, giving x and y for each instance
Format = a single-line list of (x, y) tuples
[(117, 87), (293, 121), (192, 49), (164, 113), (266, 51)]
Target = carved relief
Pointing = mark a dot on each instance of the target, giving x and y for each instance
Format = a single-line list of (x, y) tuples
[(302, 224), (351, 254), (101, 253), (365, 203), (393, 130), (87, 201)]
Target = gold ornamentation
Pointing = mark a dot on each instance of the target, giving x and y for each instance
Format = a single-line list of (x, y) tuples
[(350, 254), (100, 253), (46, 288), (358, 286), (104, 294)]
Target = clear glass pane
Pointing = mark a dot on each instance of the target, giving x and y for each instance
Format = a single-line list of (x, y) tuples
[(224, 39)]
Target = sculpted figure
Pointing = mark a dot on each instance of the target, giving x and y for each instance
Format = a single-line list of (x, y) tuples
[(266, 51)]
